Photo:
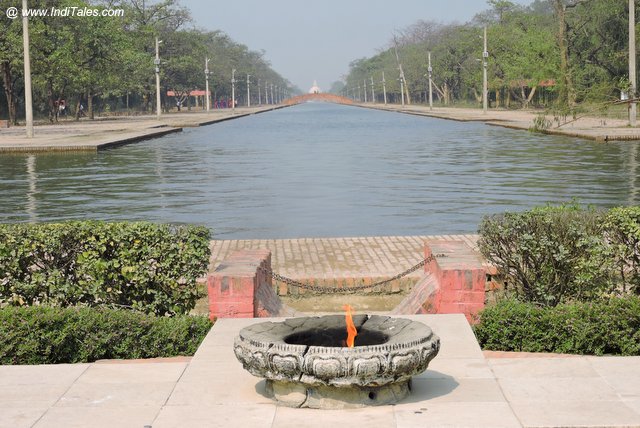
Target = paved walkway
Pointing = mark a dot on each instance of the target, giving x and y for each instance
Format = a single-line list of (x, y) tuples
[(331, 259), (112, 131), (588, 127), (108, 132), (340, 261), (461, 388)]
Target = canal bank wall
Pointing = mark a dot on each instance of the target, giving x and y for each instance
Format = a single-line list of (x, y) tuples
[(104, 133), (591, 128)]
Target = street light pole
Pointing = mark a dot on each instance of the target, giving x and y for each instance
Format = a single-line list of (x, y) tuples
[(373, 93), (28, 101), (430, 87), (632, 63), (233, 89), (365, 90), (485, 86), (384, 88), (157, 64), (248, 91), (206, 86)]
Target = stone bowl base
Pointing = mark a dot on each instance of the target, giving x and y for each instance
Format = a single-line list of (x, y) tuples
[(292, 394)]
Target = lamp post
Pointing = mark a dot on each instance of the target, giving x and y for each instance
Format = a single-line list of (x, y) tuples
[(157, 64), (430, 69), (233, 89), (485, 90), (365, 90), (373, 94), (632, 63), (248, 90), (206, 85), (28, 101), (384, 88)]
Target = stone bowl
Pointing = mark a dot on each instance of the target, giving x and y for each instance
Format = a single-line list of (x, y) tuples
[(306, 364)]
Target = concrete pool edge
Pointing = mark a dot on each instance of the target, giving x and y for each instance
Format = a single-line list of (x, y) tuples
[(110, 133), (597, 129)]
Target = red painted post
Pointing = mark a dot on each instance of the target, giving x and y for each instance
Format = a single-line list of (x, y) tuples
[(232, 286), (461, 278)]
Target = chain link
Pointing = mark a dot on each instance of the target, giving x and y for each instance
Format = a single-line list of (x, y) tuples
[(322, 289)]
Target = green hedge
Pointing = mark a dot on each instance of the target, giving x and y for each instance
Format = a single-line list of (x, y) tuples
[(50, 335), (557, 254), (140, 265), (609, 326), (622, 227)]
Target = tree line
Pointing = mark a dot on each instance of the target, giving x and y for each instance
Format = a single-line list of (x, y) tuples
[(551, 52), (108, 62)]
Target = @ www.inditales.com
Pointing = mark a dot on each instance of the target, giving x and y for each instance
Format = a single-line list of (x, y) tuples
[(68, 11)]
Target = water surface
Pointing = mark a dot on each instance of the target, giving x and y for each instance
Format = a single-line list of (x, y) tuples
[(321, 170)]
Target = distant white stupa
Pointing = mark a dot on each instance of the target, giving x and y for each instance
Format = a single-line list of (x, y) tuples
[(315, 89)]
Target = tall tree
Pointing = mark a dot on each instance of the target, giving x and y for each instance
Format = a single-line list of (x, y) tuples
[(567, 93), (10, 60)]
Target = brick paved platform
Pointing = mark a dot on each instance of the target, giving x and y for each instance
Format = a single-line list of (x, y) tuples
[(340, 261)]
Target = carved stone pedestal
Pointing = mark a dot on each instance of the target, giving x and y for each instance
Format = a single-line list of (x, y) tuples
[(306, 364)]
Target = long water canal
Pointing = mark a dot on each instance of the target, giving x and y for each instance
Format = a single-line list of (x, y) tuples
[(319, 170)]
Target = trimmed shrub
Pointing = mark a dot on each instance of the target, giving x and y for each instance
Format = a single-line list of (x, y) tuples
[(608, 326), (140, 265), (550, 255), (622, 228), (50, 335)]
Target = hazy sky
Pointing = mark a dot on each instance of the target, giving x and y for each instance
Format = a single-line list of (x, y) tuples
[(307, 40)]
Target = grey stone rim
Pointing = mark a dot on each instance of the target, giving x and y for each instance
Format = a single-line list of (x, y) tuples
[(411, 345)]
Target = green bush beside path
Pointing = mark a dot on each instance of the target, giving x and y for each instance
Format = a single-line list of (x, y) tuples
[(608, 326), (139, 265), (50, 335)]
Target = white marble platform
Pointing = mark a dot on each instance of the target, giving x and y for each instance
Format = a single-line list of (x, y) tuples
[(461, 388)]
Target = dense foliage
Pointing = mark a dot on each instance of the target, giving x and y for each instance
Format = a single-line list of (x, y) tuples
[(145, 266), (551, 52), (109, 61), (549, 255), (622, 226), (556, 254), (608, 326), (48, 335)]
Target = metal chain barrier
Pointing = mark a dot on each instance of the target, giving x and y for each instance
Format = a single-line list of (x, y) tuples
[(321, 289)]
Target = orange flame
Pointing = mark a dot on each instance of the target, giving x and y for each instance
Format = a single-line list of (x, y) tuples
[(352, 332)]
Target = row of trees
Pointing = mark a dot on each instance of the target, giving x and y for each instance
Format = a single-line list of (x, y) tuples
[(109, 61), (560, 51)]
